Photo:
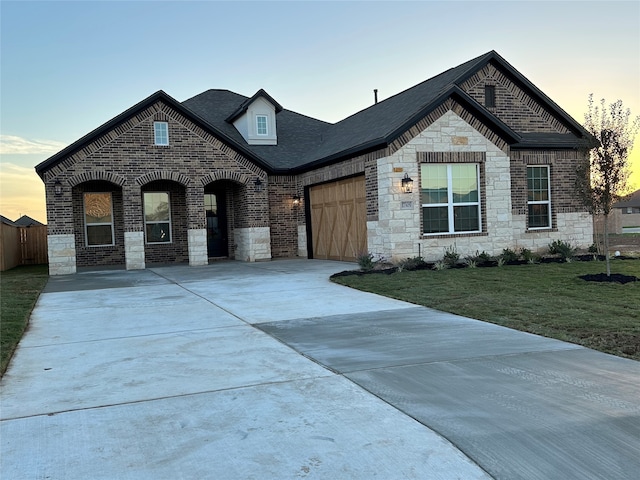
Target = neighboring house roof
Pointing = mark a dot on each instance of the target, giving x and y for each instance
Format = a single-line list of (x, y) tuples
[(6, 221), (632, 200), (305, 142), (26, 221)]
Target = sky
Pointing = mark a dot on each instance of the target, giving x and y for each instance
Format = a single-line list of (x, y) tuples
[(68, 67)]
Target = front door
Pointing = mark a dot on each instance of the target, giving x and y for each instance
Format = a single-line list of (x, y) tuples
[(216, 212)]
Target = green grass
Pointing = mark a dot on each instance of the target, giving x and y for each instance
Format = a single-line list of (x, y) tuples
[(546, 299), (19, 291)]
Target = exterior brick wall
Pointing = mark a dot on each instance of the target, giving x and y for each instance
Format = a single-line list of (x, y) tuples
[(177, 250), (87, 256), (513, 105), (284, 216)]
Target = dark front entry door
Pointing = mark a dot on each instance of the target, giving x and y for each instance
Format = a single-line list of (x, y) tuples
[(216, 212)]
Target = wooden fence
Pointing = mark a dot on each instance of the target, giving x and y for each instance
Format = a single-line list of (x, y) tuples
[(22, 246)]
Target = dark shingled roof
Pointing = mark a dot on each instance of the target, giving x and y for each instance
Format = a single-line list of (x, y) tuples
[(27, 221), (632, 200), (305, 143)]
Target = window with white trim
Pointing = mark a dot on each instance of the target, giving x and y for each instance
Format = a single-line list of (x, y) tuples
[(450, 196), (261, 125), (157, 217), (538, 198), (98, 219), (161, 133)]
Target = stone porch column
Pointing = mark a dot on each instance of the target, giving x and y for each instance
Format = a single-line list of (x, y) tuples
[(133, 228)]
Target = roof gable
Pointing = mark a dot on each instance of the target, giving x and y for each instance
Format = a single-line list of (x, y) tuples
[(159, 96)]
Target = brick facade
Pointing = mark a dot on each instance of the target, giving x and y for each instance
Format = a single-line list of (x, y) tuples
[(126, 162)]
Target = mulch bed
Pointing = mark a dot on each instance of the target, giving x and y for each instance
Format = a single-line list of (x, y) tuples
[(613, 278)]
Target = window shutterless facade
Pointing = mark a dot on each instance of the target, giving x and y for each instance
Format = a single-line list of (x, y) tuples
[(450, 197), (161, 133), (98, 219), (261, 125), (157, 217), (538, 198)]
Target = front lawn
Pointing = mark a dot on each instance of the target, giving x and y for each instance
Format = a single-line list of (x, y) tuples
[(546, 299), (19, 291)]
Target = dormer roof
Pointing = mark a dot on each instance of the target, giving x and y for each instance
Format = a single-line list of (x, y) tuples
[(244, 106)]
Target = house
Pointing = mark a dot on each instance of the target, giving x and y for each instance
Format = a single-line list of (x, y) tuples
[(27, 221), (629, 209), (476, 157)]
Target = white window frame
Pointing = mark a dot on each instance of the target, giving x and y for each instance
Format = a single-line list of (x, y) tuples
[(450, 204), (144, 213), (161, 133), (540, 202), (100, 224), (266, 125)]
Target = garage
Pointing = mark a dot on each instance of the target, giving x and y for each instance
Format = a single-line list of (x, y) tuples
[(339, 219)]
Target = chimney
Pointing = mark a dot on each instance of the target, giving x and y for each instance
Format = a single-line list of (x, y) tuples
[(375, 95)]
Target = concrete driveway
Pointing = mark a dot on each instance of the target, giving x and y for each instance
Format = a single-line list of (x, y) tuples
[(269, 371)]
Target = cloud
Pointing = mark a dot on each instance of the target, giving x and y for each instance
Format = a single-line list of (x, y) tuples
[(14, 145)]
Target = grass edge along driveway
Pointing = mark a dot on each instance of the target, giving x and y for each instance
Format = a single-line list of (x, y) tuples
[(20, 288), (545, 299)]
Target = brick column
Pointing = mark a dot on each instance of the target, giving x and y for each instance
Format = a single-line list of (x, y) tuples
[(196, 233), (133, 227)]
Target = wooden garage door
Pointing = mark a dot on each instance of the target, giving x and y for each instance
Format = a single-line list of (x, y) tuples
[(339, 219)]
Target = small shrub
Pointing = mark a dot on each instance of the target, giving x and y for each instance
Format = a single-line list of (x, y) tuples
[(451, 256), (471, 262), (527, 255), (593, 248), (564, 249), (365, 261), (509, 255), (440, 265), (500, 261), (483, 257), (412, 263)]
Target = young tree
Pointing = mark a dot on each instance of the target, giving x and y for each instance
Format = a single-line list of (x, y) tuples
[(603, 176)]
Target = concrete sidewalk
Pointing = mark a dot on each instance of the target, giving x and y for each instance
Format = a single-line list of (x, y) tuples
[(268, 370)]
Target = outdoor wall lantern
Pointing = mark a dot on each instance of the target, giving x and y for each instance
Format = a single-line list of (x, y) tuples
[(258, 184), (407, 184), (296, 200), (57, 188)]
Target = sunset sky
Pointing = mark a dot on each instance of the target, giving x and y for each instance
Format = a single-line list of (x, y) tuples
[(68, 67)]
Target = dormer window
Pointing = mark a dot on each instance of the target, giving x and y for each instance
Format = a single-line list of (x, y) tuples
[(261, 125), (489, 96), (161, 133)]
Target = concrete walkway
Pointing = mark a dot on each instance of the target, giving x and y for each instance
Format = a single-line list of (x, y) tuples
[(269, 371)]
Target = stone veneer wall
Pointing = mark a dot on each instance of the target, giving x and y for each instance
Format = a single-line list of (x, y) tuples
[(253, 244), (397, 233)]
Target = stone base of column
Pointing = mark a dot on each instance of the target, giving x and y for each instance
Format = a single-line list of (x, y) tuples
[(197, 238), (62, 254), (134, 250), (253, 244)]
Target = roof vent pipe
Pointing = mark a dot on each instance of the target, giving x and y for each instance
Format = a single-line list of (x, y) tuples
[(375, 95)]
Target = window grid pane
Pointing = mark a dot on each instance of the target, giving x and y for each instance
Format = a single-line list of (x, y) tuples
[(450, 198), (98, 219), (538, 197), (261, 123), (157, 217), (435, 219), (161, 133)]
